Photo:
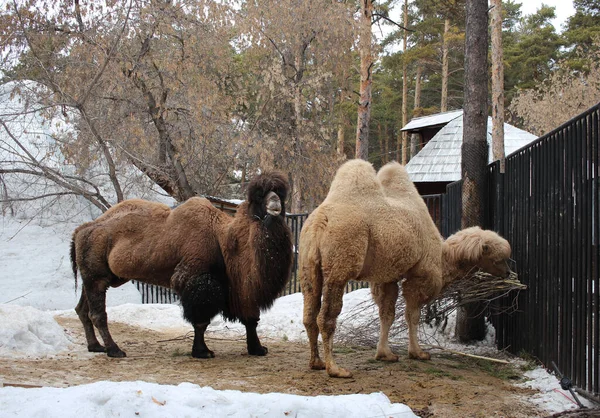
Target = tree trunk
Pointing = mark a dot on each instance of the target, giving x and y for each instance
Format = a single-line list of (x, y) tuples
[(366, 65), (341, 133), (341, 138), (244, 174), (112, 170), (380, 136), (497, 84), (444, 102), (405, 147), (175, 169), (470, 322), (387, 142), (415, 138), (417, 108)]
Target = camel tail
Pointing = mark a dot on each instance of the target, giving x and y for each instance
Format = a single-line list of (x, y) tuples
[(309, 266), (309, 259), (74, 262)]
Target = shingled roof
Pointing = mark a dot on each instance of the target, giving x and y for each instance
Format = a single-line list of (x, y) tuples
[(440, 158), (431, 121)]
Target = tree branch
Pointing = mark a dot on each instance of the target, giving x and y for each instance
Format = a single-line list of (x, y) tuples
[(391, 21), (43, 196), (95, 198), (108, 56)]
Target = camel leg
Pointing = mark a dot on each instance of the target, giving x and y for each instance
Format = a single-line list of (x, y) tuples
[(96, 296), (385, 296), (199, 348), (333, 294), (83, 312), (252, 341), (414, 303), (311, 290)]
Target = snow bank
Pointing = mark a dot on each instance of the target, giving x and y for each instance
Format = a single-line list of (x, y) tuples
[(26, 331), (186, 400)]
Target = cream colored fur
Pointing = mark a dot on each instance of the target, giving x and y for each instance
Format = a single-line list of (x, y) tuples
[(375, 227)]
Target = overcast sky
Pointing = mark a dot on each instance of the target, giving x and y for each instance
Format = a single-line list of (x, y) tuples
[(563, 9)]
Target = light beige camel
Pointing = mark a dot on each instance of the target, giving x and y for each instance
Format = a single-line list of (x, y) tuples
[(376, 228)]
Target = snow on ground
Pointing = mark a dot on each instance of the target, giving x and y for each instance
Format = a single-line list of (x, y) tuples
[(26, 331), (551, 397), (37, 284), (187, 400)]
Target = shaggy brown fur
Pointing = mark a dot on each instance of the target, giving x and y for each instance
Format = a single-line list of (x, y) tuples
[(216, 263), (376, 228)]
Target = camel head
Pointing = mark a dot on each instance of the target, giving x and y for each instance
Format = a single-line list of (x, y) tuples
[(266, 196), (475, 249)]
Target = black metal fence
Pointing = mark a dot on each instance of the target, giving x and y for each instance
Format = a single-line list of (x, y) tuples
[(546, 205), (295, 222), (452, 209), (155, 294), (441, 212)]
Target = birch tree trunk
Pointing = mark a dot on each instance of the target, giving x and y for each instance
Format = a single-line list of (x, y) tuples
[(444, 101), (497, 84), (470, 321), (366, 65)]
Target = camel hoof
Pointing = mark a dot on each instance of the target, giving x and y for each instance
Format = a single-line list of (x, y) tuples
[(339, 372), (258, 351), (387, 357), (423, 355), (317, 364), (96, 348), (203, 354), (115, 352)]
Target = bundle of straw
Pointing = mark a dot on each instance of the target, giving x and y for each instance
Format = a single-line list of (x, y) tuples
[(477, 287)]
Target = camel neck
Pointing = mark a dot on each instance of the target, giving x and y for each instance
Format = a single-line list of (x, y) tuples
[(451, 269)]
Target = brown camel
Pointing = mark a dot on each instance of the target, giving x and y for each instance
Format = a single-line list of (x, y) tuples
[(236, 266)]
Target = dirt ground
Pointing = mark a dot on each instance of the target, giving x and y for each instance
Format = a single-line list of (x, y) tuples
[(447, 386)]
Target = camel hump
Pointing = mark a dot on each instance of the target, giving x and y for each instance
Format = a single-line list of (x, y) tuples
[(139, 206), (197, 201), (395, 181), (355, 179)]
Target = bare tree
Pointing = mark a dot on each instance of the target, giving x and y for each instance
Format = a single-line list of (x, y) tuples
[(303, 51), (563, 95), (135, 85)]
